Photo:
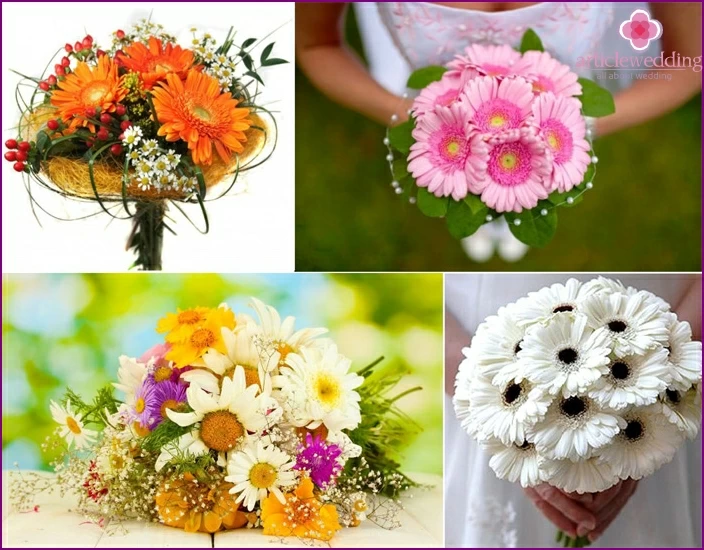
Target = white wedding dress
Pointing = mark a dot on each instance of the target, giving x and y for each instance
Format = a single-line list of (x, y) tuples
[(400, 37), (484, 511)]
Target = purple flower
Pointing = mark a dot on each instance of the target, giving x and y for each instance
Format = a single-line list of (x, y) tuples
[(167, 395), (319, 459), (145, 408)]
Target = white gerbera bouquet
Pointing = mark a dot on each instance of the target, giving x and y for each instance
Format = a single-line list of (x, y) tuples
[(580, 386)]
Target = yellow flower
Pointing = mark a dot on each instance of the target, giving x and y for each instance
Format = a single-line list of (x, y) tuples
[(179, 325), (303, 515)]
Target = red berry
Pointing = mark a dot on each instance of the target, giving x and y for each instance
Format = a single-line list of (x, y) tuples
[(51, 80), (53, 125), (68, 48), (121, 137), (125, 124), (65, 61), (89, 143), (11, 156), (102, 134), (116, 149), (120, 34), (11, 144), (120, 110), (21, 156), (59, 70), (24, 146), (90, 112), (44, 86), (105, 118), (18, 166), (99, 53), (86, 42), (77, 46)]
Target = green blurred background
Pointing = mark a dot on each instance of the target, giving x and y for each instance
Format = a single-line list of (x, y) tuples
[(644, 213), (69, 330)]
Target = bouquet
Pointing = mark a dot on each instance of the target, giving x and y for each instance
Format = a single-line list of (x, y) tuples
[(143, 124), (497, 132), (581, 386), (231, 423)]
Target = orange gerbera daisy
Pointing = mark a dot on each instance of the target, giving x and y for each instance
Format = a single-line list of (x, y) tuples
[(153, 63), (196, 112), (88, 87)]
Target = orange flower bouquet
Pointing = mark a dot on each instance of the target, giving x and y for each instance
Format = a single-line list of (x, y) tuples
[(144, 124)]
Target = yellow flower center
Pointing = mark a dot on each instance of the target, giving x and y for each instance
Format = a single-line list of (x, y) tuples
[(201, 112), (162, 373), (72, 425), (168, 404), (189, 317), (221, 431), (251, 374), (327, 389), (202, 338), (538, 87), (95, 92), (284, 349), (453, 147), (140, 405), (497, 121), (508, 161), (360, 505), (553, 142), (140, 430), (299, 512), (262, 475)]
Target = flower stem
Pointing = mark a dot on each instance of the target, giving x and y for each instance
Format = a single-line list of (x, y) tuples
[(147, 235), (569, 542)]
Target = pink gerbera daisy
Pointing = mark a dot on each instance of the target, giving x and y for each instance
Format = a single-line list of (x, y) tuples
[(563, 129), (443, 92), (547, 74), (486, 60), (446, 156), (498, 105), (517, 172)]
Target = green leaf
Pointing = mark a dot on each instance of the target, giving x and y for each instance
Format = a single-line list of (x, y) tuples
[(399, 169), (531, 41), (420, 78), (248, 62), (534, 230), (461, 221), (273, 61), (401, 136), (254, 75), (475, 203), (266, 52), (577, 192), (430, 205), (247, 43), (596, 101)]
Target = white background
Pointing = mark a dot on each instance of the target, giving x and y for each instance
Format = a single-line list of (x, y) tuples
[(252, 231)]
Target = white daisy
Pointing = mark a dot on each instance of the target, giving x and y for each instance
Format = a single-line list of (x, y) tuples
[(574, 427), (683, 409), (685, 355), (149, 146), (131, 136), (505, 412), (495, 346), (542, 305), (633, 380), (72, 429), (463, 387), (130, 376), (257, 471), (564, 355), (585, 476), (517, 462), (220, 423), (633, 323), (610, 286), (318, 388), (646, 442), (161, 164)]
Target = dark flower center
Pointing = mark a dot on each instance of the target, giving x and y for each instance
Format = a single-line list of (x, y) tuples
[(517, 347), (525, 445), (567, 356), (563, 308), (673, 395), (634, 430), (512, 392), (573, 406), (669, 350), (617, 326), (620, 370)]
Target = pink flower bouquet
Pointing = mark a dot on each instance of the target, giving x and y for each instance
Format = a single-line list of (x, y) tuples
[(498, 132)]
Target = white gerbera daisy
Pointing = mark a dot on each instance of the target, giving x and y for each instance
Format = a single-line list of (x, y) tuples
[(505, 412), (685, 355), (496, 344), (564, 355), (220, 423), (130, 376), (574, 427), (633, 380), (585, 476), (317, 388), (683, 409), (257, 471), (516, 462), (542, 305), (463, 387), (646, 442), (634, 323), (72, 429), (610, 286)]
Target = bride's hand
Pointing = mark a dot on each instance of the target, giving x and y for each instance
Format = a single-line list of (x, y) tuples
[(608, 504), (567, 513)]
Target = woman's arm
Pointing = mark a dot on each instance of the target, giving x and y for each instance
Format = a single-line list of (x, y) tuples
[(647, 99), (334, 69)]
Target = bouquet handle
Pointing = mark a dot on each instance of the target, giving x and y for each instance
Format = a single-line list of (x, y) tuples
[(569, 542), (147, 236)]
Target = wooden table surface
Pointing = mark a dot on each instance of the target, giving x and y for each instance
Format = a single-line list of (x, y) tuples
[(54, 525)]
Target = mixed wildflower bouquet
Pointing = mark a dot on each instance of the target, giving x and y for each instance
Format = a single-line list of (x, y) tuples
[(234, 423), (497, 132), (581, 386), (142, 124)]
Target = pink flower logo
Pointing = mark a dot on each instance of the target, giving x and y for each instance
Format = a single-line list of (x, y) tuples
[(640, 29)]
